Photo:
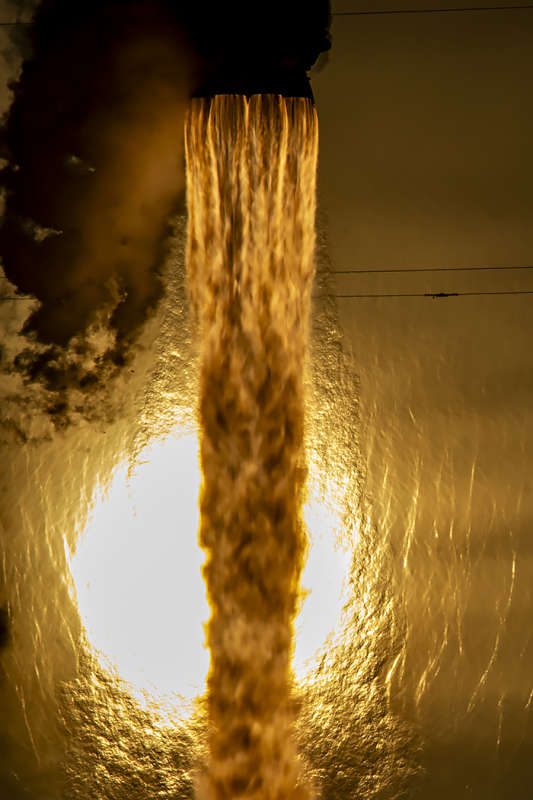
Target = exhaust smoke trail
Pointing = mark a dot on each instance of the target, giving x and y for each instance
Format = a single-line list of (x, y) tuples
[(251, 173)]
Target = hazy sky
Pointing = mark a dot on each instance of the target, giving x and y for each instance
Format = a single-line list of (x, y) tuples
[(425, 161)]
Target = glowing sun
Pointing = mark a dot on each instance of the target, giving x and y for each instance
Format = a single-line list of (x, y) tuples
[(138, 582)]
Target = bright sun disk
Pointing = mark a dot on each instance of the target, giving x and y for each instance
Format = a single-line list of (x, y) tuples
[(137, 575)]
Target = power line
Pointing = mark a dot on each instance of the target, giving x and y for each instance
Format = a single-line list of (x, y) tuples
[(429, 11), (383, 12), (434, 295), (392, 270)]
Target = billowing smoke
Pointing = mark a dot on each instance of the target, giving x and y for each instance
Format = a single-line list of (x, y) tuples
[(94, 145)]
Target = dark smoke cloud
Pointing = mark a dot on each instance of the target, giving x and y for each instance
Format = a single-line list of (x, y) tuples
[(94, 141), (93, 138), (95, 168)]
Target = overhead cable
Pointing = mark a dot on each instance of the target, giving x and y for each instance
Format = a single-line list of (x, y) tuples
[(392, 270), (434, 295), (386, 12)]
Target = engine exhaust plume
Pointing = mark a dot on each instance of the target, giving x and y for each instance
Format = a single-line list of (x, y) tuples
[(251, 169)]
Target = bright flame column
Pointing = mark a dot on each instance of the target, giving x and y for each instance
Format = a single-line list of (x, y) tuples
[(251, 174)]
